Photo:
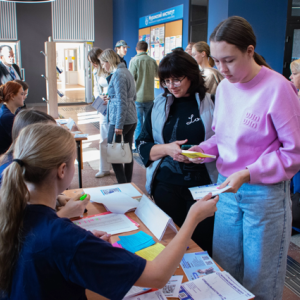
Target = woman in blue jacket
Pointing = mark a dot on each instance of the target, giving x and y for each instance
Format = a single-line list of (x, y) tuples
[(122, 114)]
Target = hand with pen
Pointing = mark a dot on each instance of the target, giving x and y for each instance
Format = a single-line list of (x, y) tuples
[(74, 207)]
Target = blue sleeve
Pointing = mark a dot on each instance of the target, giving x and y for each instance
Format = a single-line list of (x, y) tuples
[(7, 121), (104, 269)]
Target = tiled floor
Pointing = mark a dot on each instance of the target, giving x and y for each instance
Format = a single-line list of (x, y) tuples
[(84, 117)]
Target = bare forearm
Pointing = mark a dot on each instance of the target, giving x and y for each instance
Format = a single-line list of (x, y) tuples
[(159, 271), (158, 151)]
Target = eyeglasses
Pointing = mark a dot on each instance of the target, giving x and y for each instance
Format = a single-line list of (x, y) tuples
[(176, 82)]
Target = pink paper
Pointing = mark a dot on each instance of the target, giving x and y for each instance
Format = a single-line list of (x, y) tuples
[(117, 245)]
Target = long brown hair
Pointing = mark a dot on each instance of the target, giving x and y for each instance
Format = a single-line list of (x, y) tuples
[(237, 31), (8, 90), (40, 148), (203, 46)]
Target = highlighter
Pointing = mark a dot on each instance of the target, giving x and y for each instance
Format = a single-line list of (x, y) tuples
[(83, 197)]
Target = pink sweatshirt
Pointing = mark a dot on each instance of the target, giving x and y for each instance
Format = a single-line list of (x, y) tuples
[(257, 126)]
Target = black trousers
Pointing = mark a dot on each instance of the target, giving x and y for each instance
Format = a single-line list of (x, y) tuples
[(176, 201), (123, 171)]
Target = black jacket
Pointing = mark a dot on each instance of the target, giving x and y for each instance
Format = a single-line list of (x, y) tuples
[(4, 73)]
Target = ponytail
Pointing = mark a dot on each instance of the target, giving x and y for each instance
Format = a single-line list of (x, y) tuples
[(14, 196), (211, 62), (38, 150), (260, 60)]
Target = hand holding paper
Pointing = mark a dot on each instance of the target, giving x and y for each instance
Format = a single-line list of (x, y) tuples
[(235, 181)]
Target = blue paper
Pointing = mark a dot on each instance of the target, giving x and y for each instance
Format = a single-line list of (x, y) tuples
[(136, 242)]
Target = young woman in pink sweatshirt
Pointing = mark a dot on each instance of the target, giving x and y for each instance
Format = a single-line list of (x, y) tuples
[(257, 144)]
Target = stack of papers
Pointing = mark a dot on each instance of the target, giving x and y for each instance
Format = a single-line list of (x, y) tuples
[(151, 252), (216, 286), (171, 289), (197, 265), (118, 203), (199, 192), (136, 242), (156, 295), (135, 290), (110, 223)]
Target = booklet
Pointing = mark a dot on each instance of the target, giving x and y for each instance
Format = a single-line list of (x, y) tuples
[(193, 154), (100, 106), (216, 286), (171, 289), (199, 192), (197, 265)]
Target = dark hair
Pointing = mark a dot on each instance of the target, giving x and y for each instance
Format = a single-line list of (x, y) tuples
[(93, 54), (237, 31), (177, 49), (24, 118), (8, 90), (142, 46), (24, 84), (178, 64), (4, 46)]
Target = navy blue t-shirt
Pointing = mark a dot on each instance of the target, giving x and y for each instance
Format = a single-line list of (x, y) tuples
[(59, 260), (6, 124)]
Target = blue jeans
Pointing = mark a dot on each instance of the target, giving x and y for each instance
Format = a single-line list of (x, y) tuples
[(142, 110), (252, 235)]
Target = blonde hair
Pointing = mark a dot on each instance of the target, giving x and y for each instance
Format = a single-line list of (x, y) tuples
[(203, 46), (296, 65), (39, 149), (111, 57)]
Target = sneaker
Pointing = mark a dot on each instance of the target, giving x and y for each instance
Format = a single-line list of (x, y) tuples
[(102, 174)]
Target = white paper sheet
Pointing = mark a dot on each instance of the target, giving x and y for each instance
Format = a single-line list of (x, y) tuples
[(172, 42), (81, 135), (216, 286), (199, 192), (135, 290), (61, 121), (118, 203), (167, 45), (156, 52), (171, 289), (111, 223), (70, 123), (99, 192), (178, 41), (100, 106), (153, 217), (157, 295)]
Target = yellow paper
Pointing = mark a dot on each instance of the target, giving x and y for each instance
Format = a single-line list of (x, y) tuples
[(151, 252), (192, 154)]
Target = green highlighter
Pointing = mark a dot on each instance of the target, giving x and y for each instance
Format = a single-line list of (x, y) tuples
[(83, 197)]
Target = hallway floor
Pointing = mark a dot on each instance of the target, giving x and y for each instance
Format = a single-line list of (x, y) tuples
[(87, 120)]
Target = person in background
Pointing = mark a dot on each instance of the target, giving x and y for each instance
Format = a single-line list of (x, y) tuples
[(212, 77), (26, 90), (8, 69), (121, 49), (12, 97), (295, 76), (189, 47), (183, 114), (100, 87), (121, 115), (68, 208), (46, 257), (257, 145), (143, 69)]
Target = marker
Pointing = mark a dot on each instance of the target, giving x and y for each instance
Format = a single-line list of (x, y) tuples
[(83, 197)]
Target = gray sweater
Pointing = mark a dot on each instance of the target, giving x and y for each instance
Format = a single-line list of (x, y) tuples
[(122, 93)]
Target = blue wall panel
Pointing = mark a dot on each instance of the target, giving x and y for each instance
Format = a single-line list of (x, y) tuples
[(217, 12), (268, 19), (126, 19)]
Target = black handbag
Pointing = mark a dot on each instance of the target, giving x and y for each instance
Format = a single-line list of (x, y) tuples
[(296, 209)]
